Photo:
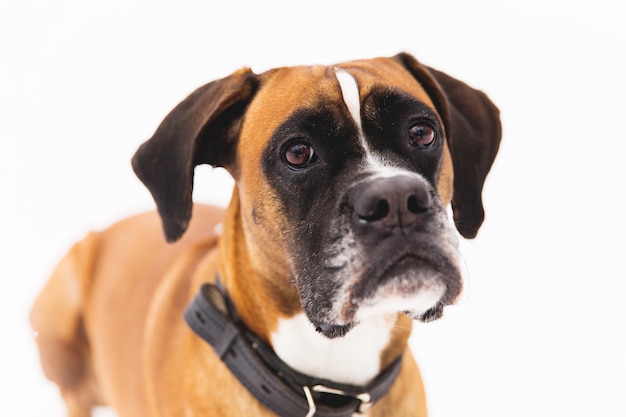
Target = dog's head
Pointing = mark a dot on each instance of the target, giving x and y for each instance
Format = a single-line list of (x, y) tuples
[(343, 176)]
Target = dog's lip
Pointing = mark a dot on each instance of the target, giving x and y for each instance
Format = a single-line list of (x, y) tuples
[(400, 244), (444, 268), (423, 258), (333, 330), (418, 252), (377, 275), (347, 319), (409, 255)]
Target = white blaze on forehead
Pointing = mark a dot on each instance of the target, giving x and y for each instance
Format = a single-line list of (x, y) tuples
[(350, 93)]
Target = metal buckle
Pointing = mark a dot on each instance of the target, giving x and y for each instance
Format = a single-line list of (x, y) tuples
[(309, 399), (366, 404), (364, 397)]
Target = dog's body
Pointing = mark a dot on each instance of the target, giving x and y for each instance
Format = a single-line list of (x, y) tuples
[(336, 236)]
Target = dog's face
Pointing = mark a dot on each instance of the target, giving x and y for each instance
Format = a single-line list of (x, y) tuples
[(342, 166), (343, 177)]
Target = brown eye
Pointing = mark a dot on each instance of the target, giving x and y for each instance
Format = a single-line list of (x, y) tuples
[(299, 154), (422, 133)]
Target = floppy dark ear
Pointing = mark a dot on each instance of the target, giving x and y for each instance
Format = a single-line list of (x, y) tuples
[(473, 133), (202, 129)]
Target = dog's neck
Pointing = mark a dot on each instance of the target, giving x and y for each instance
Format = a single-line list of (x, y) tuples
[(258, 298), (275, 314), (351, 359)]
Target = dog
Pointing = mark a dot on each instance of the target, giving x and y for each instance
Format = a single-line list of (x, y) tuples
[(298, 298)]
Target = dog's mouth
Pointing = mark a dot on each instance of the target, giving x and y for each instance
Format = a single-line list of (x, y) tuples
[(407, 274), (415, 284)]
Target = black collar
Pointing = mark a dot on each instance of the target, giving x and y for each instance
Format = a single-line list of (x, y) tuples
[(279, 387)]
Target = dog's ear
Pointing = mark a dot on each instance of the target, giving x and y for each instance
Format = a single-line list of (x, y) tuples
[(202, 129), (473, 133)]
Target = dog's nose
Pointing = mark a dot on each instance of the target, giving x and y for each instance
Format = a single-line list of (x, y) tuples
[(389, 202)]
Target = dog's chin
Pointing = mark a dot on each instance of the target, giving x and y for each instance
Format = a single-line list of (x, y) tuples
[(410, 286), (429, 315), (426, 307), (333, 331)]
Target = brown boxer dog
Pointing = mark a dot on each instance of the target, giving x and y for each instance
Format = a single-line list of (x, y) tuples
[(299, 297)]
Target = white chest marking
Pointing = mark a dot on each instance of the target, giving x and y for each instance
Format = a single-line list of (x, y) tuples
[(350, 94), (352, 359)]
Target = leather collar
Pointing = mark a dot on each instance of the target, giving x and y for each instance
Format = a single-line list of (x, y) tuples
[(276, 385)]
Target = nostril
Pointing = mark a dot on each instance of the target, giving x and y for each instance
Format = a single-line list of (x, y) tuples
[(376, 212), (416, 205)]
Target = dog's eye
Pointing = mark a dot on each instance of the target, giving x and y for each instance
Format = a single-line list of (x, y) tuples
[(299, 154), (422, 133)]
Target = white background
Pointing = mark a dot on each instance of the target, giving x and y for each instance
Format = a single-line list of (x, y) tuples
[(540, 329)]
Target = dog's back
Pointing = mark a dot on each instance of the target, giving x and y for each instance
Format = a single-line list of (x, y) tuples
[(124, 265)]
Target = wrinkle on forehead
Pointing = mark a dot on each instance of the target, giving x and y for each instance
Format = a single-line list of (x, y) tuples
[(286, 90), (369, 73)]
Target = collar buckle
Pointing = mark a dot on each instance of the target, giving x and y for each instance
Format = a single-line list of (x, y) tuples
[(365, 399), (309, 400)]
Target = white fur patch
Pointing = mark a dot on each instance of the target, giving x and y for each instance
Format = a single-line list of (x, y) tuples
[(352, 359), (418, 303), (350, 93)]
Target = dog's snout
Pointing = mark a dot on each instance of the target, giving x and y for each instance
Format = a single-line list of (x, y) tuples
[(388, 202)]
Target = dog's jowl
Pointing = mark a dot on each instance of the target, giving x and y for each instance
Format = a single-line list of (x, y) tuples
[(337, 236)]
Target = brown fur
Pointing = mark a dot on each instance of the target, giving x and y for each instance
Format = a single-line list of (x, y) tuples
[(90, 307), (109, 320)]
